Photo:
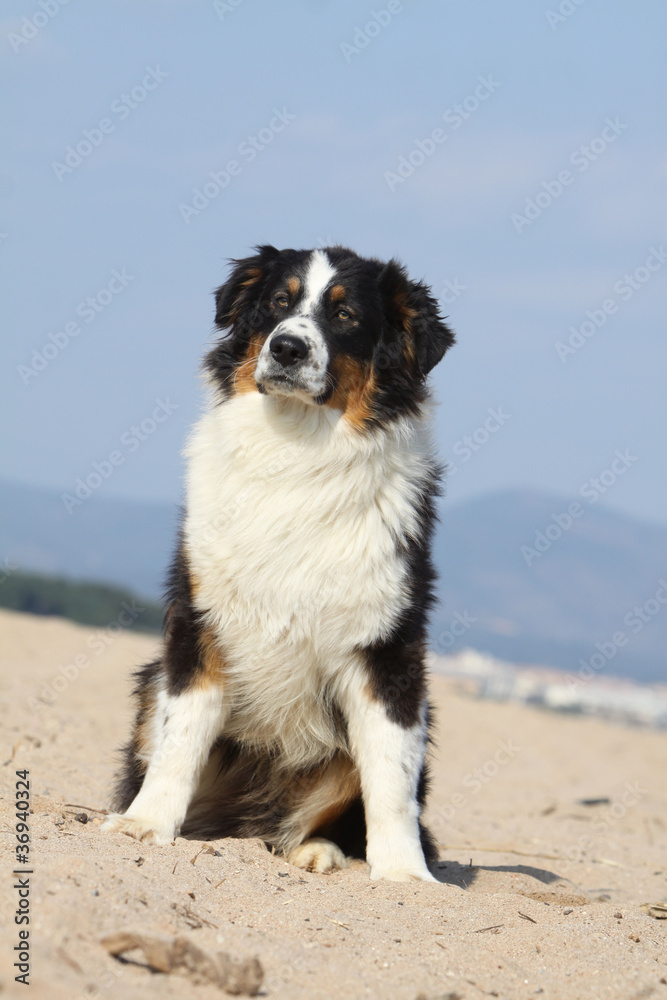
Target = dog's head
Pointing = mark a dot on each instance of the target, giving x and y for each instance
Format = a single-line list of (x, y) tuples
[(329, 328)]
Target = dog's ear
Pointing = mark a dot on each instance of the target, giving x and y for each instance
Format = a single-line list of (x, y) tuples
[(238, 295), (416, 313)]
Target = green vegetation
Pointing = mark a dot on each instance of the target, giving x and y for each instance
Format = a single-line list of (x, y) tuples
[(87, 603)]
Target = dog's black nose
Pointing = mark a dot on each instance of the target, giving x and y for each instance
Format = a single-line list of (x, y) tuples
[(288, 350)]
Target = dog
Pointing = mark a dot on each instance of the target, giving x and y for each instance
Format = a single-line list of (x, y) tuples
[(290, 700)]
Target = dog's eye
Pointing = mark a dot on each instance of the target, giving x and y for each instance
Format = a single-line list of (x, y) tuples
[(343, 313), (281, 299)]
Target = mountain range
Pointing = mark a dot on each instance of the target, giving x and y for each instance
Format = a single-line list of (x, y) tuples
[(528, 577)]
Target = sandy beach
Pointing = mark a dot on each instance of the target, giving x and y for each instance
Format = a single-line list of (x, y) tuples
[(541, 885)]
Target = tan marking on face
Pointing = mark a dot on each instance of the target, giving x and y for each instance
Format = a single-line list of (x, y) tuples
[(293, 285), (337, 293), (244, 376), (355, 388)]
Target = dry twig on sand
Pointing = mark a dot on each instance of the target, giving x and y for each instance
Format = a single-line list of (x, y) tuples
[(178, 954)]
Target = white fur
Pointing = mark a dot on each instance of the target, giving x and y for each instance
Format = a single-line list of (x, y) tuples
[(389, 758), (183, 730), (320, 274), (291, 529)]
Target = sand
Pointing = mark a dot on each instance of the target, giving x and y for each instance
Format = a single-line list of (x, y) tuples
[(539, 896)]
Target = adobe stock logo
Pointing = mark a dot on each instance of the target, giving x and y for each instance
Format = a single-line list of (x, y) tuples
[(458, 627), (121, 108), (363, 36), (591, 491), (88, 310), (222, 7), (130, 441), (248, 150), (32, 25), (582, 157), (453, 118), (606, 649), (474, 781), (470, 444), (566, 8), (624, 288)]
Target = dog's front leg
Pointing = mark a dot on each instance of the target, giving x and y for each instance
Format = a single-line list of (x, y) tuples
[(183, 729), (389, 758)]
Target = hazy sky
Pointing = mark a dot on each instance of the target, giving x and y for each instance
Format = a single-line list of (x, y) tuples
[(530, 195)]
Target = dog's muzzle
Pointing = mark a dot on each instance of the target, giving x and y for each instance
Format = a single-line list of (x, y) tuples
[(293, 360)]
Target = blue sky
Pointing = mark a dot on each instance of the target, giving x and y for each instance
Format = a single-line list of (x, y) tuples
[(558, 116)]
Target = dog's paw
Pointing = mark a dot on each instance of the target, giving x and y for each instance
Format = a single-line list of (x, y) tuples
[(317, 855), (399, 874), (141, 829)]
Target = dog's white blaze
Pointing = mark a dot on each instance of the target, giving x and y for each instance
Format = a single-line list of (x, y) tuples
[(389, 759), (291, 533), (319, 275), (183, 730)]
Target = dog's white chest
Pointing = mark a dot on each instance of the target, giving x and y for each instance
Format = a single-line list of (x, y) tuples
[(295, 533)]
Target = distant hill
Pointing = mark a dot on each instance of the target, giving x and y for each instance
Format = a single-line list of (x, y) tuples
[(553, 608), (88, 603), (579, 592), (123, 542)]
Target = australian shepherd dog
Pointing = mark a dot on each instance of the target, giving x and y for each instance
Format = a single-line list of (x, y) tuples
[(290, 702)]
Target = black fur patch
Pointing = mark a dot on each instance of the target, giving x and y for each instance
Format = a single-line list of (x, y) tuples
[(253, 795), (183, 627), (396, 666)]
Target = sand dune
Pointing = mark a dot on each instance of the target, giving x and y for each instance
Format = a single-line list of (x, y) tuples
[(540, 894)]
